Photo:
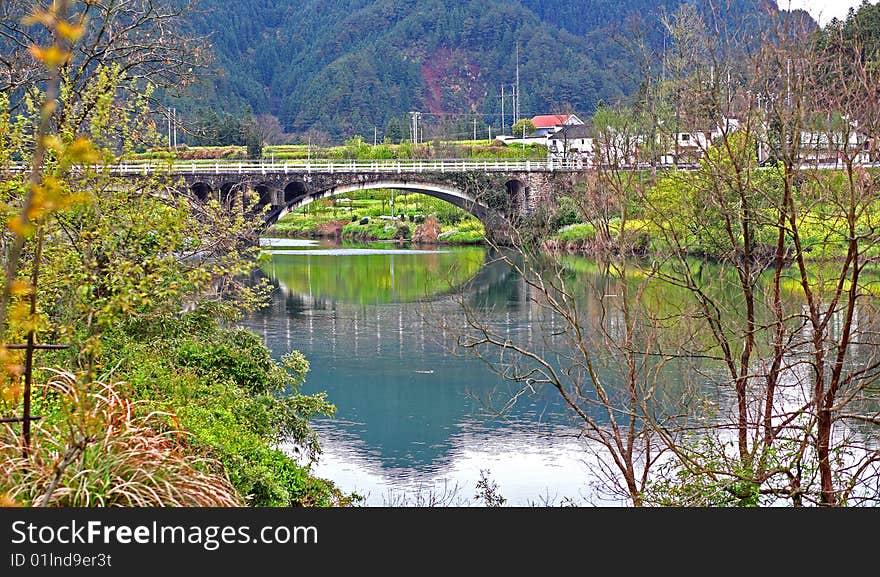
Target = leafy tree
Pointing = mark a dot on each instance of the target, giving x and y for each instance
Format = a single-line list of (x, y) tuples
[(523, 127), (98, 262)]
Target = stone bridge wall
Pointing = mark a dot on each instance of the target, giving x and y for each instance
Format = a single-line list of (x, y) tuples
[(526, 191)]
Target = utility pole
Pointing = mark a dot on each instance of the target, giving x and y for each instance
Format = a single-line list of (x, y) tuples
[(169, 127), (415, 126), (175, 128), (475, 128), (516, 98), (502, 107), (490, 134), (375, 135)]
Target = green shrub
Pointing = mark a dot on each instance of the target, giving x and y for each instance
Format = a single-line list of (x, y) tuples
[(235, 401), (576, 232)]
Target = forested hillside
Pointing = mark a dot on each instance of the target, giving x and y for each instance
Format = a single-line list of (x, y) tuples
[(344, 67)]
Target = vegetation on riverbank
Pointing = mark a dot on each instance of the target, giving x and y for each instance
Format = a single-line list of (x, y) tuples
[(675, 201), (355, 148), (127, 382), (367, 216)]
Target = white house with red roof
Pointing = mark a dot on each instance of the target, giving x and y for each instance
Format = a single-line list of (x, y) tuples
[(549, 124)]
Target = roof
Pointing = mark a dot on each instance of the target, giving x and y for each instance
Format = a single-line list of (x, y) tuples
[(572, 132), (550, 120)]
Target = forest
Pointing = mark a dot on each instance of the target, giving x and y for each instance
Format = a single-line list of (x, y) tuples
[(342, 68)]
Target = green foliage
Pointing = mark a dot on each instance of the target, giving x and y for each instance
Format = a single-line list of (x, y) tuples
[(522, 128), (678, 485), (236, 401), (468, 231), (577, 232), (566, 213), (376, 229), (119, 260), (371, 205), (364, 66), (254, 146)]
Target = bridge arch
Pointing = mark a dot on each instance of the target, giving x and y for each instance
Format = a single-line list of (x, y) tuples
[(450, 194), (202, 190), (294, 190), (264, 194), (517, 192)]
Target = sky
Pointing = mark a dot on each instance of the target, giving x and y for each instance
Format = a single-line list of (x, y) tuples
[(822, 10)]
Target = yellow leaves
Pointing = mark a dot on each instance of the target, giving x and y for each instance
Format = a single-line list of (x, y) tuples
[(10, 394), (46, 197), (82, 151), (46, 18), (10, 387), (52, 56), (20, 316), (70, 32), (55, 55), (20, 288), (53, 142), (20, 226), (7, 501)]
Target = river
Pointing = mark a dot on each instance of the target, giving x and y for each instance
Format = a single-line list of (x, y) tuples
[(419, 420)]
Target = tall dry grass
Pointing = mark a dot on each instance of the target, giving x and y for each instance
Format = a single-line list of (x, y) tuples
[(103, 454)]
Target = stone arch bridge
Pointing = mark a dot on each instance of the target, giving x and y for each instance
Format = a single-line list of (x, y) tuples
[(494, 191)]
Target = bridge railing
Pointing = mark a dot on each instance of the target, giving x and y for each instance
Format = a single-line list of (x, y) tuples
[(324, 166), (336, 166)]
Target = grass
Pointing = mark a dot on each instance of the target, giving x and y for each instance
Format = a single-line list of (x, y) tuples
[(470, 231), (104, 452), (578, 232)]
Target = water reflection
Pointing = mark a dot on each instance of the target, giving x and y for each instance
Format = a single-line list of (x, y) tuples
[(411, 413), (379, 329)]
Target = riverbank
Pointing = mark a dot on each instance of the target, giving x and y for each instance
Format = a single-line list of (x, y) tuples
[(383, 216)]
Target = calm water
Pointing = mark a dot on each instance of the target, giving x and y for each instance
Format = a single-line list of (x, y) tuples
[(418, 418)]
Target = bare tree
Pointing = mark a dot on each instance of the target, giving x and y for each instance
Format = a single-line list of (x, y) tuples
[(734, 360), (267, 128), (144, 39)]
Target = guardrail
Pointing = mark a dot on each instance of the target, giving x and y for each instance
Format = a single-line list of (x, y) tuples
[(334, 166), (147, 167), (331, 167)]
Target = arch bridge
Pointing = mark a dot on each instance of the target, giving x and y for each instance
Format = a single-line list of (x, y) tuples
[(492, 190)]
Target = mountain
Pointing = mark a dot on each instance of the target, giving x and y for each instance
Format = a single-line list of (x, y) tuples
[(345, 67)]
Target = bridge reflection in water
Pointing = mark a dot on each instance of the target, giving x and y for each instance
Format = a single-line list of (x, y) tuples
[(379, 331)]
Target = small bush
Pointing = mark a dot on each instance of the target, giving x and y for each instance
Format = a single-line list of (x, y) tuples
[(576, 232)]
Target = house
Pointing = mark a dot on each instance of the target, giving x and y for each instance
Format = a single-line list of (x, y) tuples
[(825, 147), (548, 124), (687, 148), (832, 148), (572, 143)]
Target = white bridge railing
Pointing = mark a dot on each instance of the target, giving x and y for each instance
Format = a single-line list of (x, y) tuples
[(336, 166), (323, 166), (328, 166)]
